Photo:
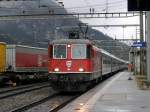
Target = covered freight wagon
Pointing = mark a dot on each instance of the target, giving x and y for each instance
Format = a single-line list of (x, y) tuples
[(2, 57), (26, 59), (22, 64)]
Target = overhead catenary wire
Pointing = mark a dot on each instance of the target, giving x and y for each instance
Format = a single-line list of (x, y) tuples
[(110, 4), (97, 5)]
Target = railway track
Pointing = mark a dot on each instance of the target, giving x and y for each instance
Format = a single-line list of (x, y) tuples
[(21, 90), (48, 103), (51, 103), (42, 100), (56, 108), (8, 89)]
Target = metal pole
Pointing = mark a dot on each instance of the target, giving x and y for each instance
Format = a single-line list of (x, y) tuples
[(123, 32), (56, 33), (148, 46), (39, 4), (141, 39)]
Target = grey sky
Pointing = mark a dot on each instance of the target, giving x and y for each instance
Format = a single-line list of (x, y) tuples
[(100, 6)]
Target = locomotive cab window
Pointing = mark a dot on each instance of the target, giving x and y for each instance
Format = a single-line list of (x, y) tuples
[(59, 51), (79, 51)]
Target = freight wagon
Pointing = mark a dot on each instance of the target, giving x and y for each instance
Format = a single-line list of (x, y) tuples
[(2, 57), (26, 59), (24, 63)]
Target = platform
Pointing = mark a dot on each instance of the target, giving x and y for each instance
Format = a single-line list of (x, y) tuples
[(117, 94)]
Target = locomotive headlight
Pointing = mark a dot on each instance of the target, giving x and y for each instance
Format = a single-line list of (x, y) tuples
[(81, 69), (68, 45), (56, 69)]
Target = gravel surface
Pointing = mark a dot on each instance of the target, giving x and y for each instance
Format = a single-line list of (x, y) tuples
[(11, 103), (21, 86), (49, 105), (22, 90)]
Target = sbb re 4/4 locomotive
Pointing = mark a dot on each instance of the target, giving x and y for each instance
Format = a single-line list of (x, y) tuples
[(74, 64)]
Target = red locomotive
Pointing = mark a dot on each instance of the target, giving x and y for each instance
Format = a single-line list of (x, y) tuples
[(74, 64)]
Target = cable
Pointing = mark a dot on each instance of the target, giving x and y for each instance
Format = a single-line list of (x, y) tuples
[(95, 5), (82, 7), (101, 7)]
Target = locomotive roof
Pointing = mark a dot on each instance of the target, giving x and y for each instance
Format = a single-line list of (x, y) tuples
[(72, 41)]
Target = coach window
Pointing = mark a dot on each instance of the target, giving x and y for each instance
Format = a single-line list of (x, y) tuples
[(60, 51), (79, 51)]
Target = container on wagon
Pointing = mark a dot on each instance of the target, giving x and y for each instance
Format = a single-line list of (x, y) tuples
[(2, 57), (21, 58)]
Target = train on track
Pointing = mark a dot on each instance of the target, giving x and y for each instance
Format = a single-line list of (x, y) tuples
[(75, 64), (20, 63)]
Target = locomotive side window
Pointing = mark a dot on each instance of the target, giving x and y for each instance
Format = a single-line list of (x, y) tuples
[(89, 51), (50, 51), (79, 51), (59, 51)]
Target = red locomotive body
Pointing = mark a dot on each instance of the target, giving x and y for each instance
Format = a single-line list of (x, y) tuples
[(75, 63), (70, 57)]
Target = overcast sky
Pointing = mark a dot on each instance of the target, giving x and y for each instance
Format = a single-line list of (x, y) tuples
[(100, 6)]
